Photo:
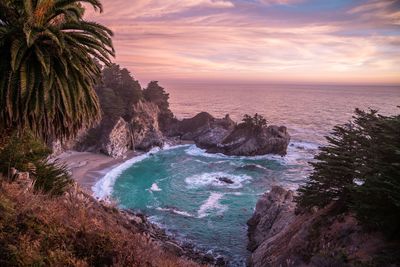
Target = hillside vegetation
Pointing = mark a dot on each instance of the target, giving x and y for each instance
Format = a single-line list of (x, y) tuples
[(71, 230)]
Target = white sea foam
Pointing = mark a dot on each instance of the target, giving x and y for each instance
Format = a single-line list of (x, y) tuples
[(212, 204), (176, 211), (103, 188), (211, 179), (154, 187), (193, 150), (304, 145)]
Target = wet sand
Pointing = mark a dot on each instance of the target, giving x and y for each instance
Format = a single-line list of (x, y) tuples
[(87, 168)]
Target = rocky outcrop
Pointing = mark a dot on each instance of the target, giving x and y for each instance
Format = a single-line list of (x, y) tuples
[(116, 136), (247, 141), (144, 126), (119, 140), (225, 136), (279, 237)]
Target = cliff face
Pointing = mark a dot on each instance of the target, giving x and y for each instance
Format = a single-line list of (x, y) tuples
[(115, 136), (145, 128), (225, 136), (279, 237)]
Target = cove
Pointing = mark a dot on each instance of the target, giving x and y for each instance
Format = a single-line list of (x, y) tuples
[(202, 198)]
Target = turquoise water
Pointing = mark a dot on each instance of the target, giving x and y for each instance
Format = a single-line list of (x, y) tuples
[(179, 189)]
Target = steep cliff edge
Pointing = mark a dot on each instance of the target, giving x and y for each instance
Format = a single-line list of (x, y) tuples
[(279, 237)]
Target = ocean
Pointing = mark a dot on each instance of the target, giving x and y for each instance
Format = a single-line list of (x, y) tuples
[(178, 187)]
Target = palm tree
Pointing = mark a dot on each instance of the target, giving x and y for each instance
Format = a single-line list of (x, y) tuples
[(48, 66)]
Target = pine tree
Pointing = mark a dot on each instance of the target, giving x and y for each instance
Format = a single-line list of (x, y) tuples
[(359, 169)]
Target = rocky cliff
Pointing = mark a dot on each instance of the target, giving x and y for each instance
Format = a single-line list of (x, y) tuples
[(115, 136), (279, 237), (227, 137)]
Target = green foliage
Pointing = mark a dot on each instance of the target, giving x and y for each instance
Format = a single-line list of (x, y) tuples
[(257, 121), (360, 170), (19, 151), (48, 66), (26, 153), (52, 177), (156, 94), (118, 92)]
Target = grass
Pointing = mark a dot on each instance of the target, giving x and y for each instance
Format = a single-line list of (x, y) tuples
[(71, 230)]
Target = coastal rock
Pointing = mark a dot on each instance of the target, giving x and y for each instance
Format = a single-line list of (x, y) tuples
[(225, 136), (279, 237), (225, 180), (118, 141), (144, 124), (116, 136), (244, 141)]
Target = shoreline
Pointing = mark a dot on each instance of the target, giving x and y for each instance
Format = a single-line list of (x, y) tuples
[(87, 168)]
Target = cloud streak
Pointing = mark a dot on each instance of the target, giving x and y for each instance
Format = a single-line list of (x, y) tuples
[(256, 41)]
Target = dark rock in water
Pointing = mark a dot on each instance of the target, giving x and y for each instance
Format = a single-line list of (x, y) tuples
[(225, 136), (225, 180), (205, 130)]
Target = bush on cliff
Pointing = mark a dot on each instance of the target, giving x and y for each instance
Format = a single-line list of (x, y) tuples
[(26, 153), (255, 122), (118, 92), (156, 94), (359, 170)]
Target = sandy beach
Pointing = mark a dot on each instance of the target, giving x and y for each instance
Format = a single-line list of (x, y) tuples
[(87, 168)]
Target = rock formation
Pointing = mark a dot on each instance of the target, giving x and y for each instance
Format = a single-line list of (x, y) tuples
[(225, 136), (115, 136), (279, 237), (145, 127)]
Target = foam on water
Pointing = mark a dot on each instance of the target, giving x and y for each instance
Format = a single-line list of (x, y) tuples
[(103, 188), (154, 187), (176, 211), (212, 204), (211, 179)]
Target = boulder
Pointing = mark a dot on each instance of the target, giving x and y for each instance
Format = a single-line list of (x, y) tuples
[(225, 180)]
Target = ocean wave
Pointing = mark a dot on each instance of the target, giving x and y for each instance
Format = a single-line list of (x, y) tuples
[(103, 188), (212, 203), (211, 179), (175, 211), (304, 145), (294, 153)]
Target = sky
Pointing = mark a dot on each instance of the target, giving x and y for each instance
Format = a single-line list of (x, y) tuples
[(256, 41)]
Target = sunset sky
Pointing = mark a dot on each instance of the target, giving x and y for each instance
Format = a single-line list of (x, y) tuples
[(290, 41)]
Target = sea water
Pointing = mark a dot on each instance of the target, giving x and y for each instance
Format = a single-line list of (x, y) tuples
[(180, 187)]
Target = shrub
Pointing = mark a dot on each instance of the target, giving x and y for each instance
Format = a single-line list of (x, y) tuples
[(28, 154), (19, 151), (257, 121), (52, 177)]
